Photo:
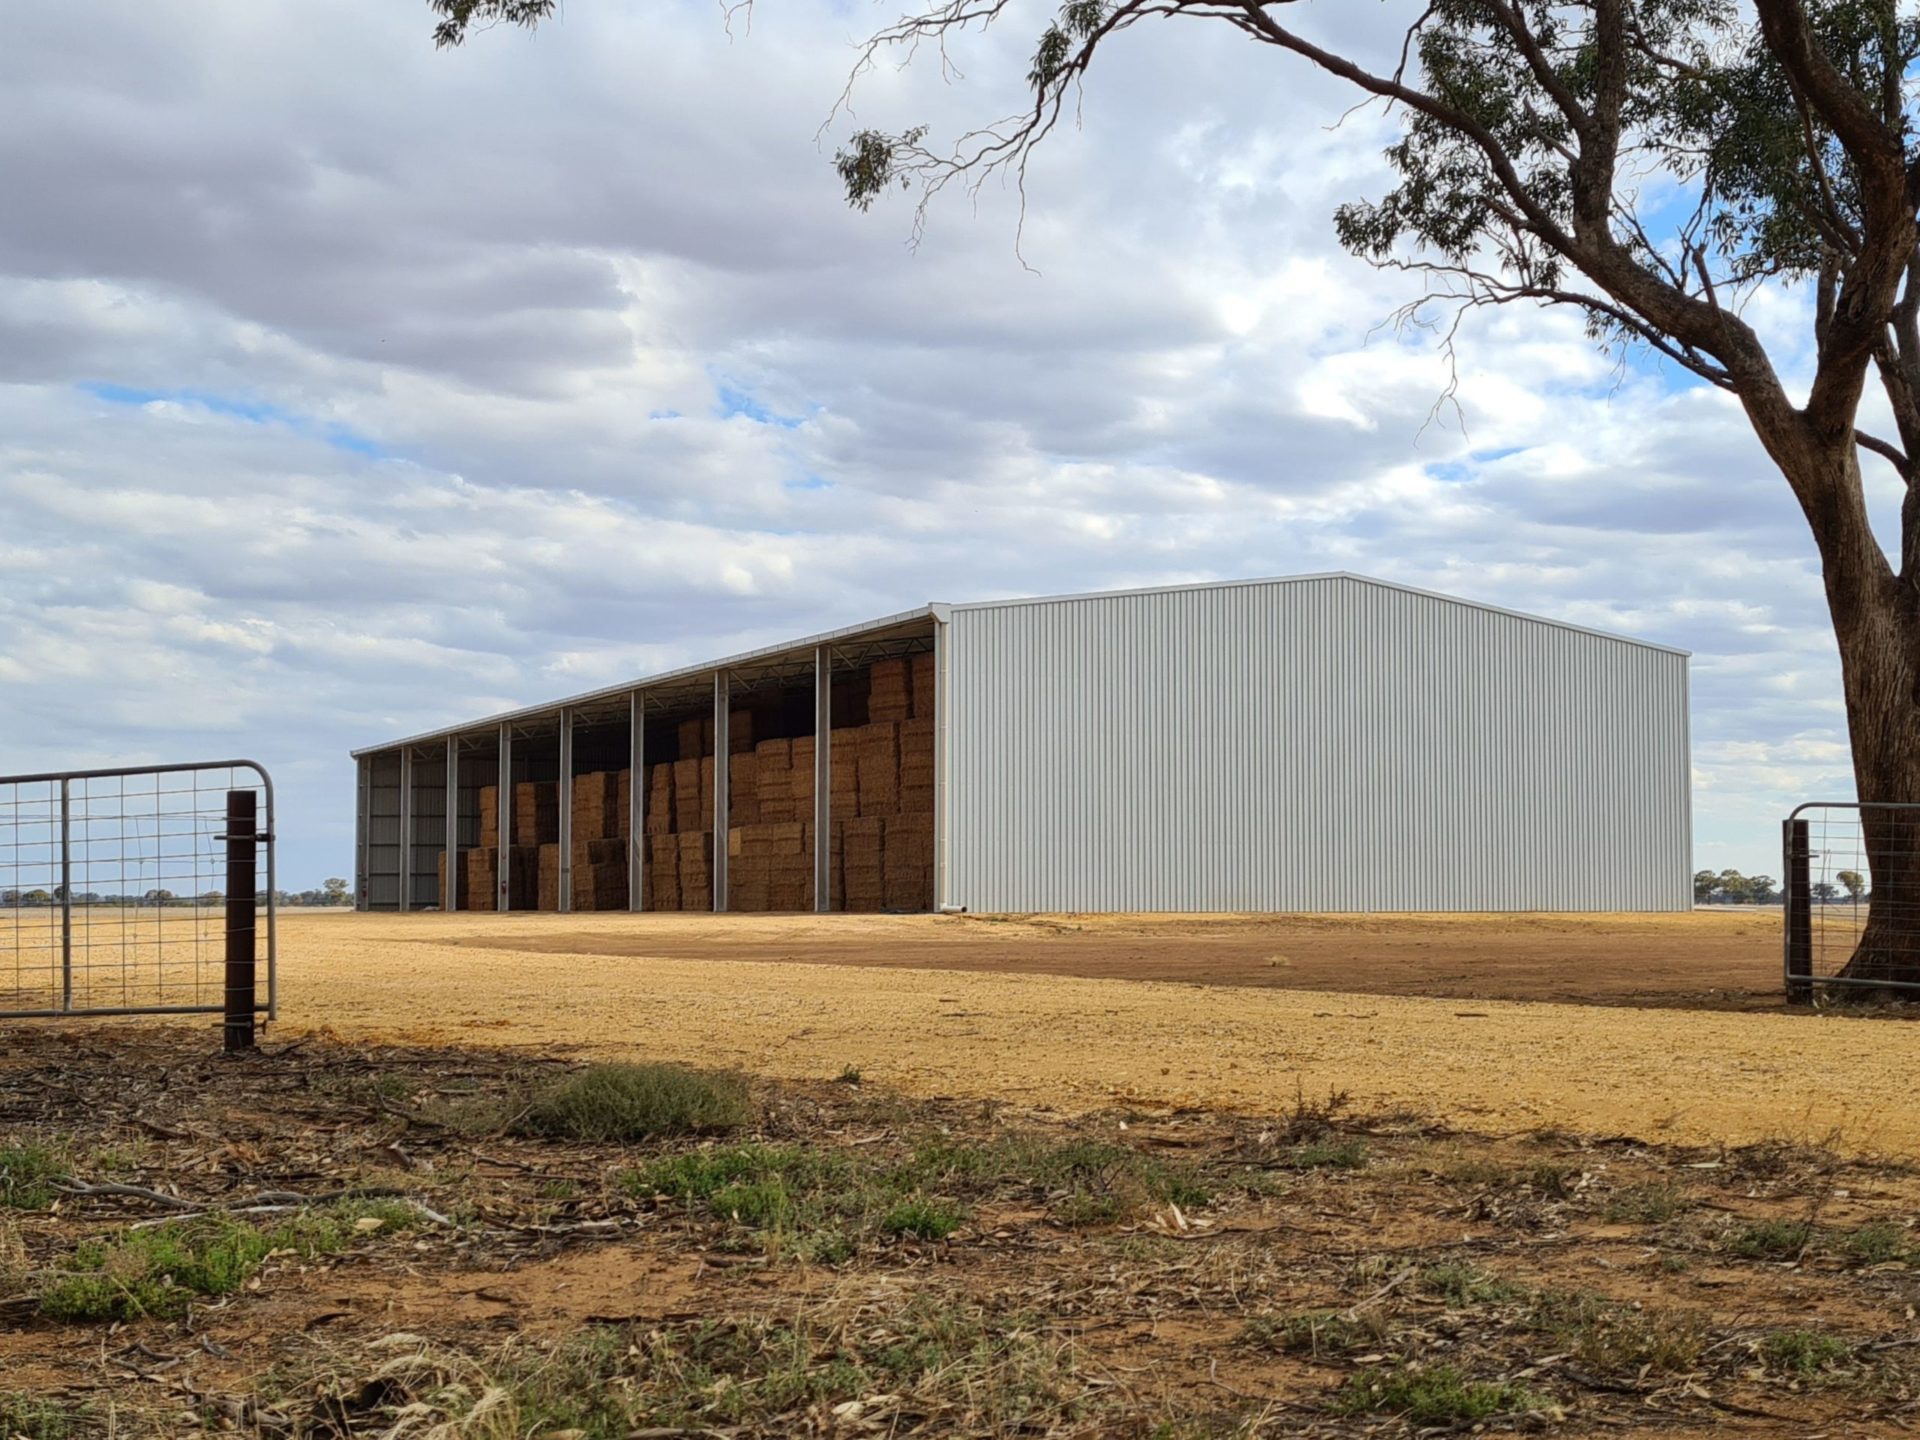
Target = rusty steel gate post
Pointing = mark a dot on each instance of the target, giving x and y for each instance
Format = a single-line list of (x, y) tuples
[(243, 839), (1799, 901)]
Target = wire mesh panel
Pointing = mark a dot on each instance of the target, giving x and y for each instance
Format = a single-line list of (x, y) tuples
[(113, 889), (1852, 897)]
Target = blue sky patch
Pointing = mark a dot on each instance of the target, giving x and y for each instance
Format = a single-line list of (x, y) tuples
[(254, 412), (736, 401)]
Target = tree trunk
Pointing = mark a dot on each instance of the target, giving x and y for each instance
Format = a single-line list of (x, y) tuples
[(1877, 623)]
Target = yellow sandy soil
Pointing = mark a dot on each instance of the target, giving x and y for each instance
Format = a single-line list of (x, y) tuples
[(1076, 1043)]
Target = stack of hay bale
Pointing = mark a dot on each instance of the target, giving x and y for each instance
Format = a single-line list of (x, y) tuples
[(880, 854), (463, 876), (599, 870), (881, 835), (679, 819), (480, 866)]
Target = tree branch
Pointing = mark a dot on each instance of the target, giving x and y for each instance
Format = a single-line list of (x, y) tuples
[(1891, 453)]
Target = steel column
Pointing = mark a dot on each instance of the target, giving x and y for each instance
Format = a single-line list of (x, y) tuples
[(822, 780), (636, 801), (450, 839), (406, 831), (564, 900), (66, 895), (362, 825), (503, 822), (722, 715), (942, 758)]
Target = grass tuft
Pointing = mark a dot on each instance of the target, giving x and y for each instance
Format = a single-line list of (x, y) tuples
[(611, 1103), (1437, 1396), (1605, 1335), (825, 1205), (1874, 1243), (27, 1173), (1331, 1153), (1460, 1284), (23, 1417), (923, 1219), (997, 1373), (159, 1272), (813, 1204), (1769, 1240), (1803, 1352), (1084, 1183), (1315, 1332), (1653, 1203)]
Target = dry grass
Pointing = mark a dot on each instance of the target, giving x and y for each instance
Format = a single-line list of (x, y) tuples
[(853, 1261)]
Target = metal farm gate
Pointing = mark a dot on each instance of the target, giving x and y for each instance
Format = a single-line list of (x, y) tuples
[(137, 892), (1832, 891)]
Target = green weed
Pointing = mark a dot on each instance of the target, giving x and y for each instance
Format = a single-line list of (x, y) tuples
[(609, 1103), (27, 1173), (1460, 1284), (1874, 1243), (1329, 1154), (923, 1219), (814, 1204), (1083, 1182), (159, 1272), (22, 1417), (1653, 1203), (938, 1355), (1803, 1352), (1436, 1396), (1769, 1240), (1324, 1332), (1605, 1335)]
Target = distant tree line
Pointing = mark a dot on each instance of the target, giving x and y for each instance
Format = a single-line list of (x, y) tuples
[(1730, 887), (333, 891)]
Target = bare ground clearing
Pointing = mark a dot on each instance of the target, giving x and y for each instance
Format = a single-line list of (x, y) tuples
[(849, 1261), (1719, 959), (653, 987)]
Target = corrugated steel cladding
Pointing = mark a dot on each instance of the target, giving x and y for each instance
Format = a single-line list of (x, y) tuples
[(1319, 744)]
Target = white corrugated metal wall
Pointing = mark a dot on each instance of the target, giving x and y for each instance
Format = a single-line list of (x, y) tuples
[(1327, 744)]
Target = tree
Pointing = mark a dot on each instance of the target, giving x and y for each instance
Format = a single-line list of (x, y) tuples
[(1648, 164), (1825, 892), (1704, 882), (1855, 882), (336, 891), (1761, 891)]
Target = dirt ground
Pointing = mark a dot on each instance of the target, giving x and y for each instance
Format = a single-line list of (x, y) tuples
[(1016, 1019), (1719, 959), (328, 1240)]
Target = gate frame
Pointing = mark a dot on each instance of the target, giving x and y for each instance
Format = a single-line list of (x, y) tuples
[(265, 837), (1796, 902)]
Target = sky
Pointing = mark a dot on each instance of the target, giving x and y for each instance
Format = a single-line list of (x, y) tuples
[(349, 388)]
